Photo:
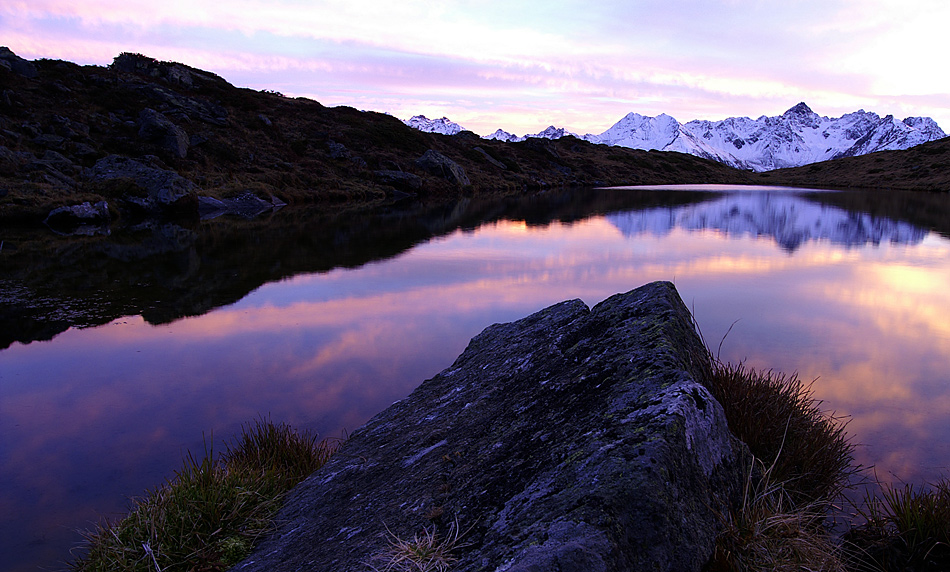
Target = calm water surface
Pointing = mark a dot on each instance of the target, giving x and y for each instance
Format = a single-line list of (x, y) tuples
[(858, 303)]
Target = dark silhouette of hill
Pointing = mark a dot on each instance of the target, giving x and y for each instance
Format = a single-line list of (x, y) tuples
[(67, 133)]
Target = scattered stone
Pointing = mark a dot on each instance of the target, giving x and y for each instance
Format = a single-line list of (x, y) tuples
[(16, 64), (184, 106), (265, 120), (438, 164), (46, 171), (70, 129), (572, 440), (491, 159), (155, 127)]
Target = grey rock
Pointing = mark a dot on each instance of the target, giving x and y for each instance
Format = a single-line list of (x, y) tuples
[(49, 172), (9, 161), (573, 440), (82, 219), (155, 127), (184, 106), (491, 159), (49, 141), (16, 64), (405, 182), (69, 128), (83, 150), (172, 72), (158, 189), (59, 161), (247, 205), (438, 164), (337, 150)]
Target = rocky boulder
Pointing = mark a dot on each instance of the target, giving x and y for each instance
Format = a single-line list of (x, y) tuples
[(16, 64), (247, 205), (403, 182), (84, 218), (438, 164), (158, 129), (9, 161), (147, 188), (572, 440)]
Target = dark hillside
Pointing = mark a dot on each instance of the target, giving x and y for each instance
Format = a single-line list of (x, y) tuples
[(67, 132), (925, 167)]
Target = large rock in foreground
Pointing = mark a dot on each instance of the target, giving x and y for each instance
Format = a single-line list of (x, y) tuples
[(574, 439)]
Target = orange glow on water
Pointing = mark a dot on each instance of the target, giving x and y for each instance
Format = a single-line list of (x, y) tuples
[(327, 351)]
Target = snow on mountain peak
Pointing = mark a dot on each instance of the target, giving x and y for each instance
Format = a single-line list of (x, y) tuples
[(443, 125), (797, 137)]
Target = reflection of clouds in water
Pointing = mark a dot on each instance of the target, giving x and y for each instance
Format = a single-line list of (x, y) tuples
[(789, 220), (328, 351)]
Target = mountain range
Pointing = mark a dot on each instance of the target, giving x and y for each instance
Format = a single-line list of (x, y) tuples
[(797, 137)]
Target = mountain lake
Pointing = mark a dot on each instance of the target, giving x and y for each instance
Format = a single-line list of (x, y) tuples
[(124, 352)]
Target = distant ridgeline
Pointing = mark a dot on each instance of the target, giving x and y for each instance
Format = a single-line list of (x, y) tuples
[(798, 137)]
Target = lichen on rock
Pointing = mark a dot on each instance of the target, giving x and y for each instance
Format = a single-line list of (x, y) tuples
[(573, 439)]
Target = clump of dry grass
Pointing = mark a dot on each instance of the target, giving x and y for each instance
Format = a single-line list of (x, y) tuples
[(771, 532), (209, 514), (777, 416), (906, 528), (802, 461), (425, 552)]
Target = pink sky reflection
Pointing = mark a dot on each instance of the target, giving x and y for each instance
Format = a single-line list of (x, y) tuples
[(328, 351)]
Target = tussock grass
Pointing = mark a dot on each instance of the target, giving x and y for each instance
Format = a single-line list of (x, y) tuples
[(777, 416), (802, 461), (770, 531), (906, 528), (209, 514), (425, 552)]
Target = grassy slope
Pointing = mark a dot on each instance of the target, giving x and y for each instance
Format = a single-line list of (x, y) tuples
[(925, 167), (271, 145)]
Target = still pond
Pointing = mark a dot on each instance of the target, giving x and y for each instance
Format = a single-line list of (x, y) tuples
[(130, 351)]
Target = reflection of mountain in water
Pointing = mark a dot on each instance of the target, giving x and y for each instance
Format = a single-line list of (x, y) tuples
[(789, 219)]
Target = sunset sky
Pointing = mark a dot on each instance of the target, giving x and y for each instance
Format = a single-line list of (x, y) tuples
[(523, 65)]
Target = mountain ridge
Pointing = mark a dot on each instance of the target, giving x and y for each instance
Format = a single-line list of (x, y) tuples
[(797, 137)]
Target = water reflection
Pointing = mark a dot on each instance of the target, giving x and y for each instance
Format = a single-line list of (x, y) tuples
[(788, 219), (100, 413)]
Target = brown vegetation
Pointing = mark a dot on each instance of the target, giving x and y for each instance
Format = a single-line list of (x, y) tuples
[(295, 149), (925, 167)]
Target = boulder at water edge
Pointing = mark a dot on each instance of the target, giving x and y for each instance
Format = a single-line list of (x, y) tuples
[(572, 440)]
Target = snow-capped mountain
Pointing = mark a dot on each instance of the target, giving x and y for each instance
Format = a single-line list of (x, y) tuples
[(551, 132), (443, 126), (789, 220), (502, 135), (797, 137)]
